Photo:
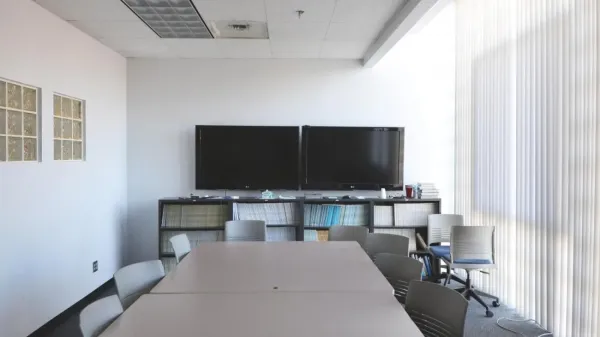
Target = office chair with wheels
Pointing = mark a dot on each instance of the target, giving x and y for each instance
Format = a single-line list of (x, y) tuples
[(377, 243), (436, 310), (98, 315), (348, 233), (137, 279), (399, 271), (438, 233), (472, 248), (181, 246)]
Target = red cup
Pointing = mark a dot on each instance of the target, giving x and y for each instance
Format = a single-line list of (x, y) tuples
[(409, 191)]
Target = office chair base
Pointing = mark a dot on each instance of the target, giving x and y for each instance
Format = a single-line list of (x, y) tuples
[(469, 292)]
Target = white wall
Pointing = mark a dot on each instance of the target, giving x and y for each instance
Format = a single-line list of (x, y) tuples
[(412, 87), (57, 217)]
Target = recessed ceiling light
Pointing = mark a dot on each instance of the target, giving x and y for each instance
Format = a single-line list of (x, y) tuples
[(171, 19)]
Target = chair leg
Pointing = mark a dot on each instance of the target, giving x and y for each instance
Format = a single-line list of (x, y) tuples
[(484, 294), (459, 280), (473, 294)]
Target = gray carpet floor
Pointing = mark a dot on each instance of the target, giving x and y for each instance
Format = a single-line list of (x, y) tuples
[(477, 325)]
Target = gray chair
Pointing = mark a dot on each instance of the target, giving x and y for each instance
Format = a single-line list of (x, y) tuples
[(98, 315), (348, 233), (436, 310), (399, 271), (438, 233), (245, 230), (472, 248), (137, 279), (377, 243), (181, 246)]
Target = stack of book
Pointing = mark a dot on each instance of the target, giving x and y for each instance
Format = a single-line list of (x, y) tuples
[(383, 215), (311, 235), (331, 215), (429, 191), (270, 213), (195, 237), (281, 234), (412, 214), (194, 216)]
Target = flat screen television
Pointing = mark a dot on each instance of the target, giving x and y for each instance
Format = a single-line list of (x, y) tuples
[(352, 158), (247, 157)]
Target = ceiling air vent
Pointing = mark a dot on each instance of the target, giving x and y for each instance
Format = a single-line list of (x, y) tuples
[(239, 29), (171, 19)]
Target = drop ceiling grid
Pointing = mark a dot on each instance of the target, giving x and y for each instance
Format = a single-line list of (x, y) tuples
[(327, 29)]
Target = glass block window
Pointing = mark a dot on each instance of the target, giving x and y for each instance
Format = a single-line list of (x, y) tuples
[(18, 122), (69, 121)]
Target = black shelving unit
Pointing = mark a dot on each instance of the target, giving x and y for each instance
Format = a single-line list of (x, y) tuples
[(299, 207)]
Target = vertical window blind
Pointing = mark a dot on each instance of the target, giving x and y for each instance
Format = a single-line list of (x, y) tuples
[(528, 152)]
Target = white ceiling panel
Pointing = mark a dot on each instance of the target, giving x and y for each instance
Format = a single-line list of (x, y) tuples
[(298, 30), (99, 10), (314, 10), (327, 28), (193, 48), (295, 48), (115, 29), (344, 49), (244, 10), (363, 11), (352, 31), (239, 48)]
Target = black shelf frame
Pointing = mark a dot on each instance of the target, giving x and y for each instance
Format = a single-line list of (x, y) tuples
[(299, 202)]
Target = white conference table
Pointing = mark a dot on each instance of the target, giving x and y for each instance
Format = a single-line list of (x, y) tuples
[(225, 267), (265, 314)]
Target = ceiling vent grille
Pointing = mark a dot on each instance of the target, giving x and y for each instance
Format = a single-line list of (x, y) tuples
[(171, 19)]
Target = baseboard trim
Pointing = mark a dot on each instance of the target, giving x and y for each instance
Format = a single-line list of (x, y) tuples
[(54, 323)]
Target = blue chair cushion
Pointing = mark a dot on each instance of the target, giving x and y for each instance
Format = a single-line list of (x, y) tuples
[(441, 251), (444, 252)]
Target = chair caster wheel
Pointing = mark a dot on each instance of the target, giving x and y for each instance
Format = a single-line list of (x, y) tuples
[(489, 314), (495, 304)]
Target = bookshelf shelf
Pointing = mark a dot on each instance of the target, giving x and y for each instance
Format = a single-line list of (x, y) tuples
[(185, 229), (288, 219), (399, 227)]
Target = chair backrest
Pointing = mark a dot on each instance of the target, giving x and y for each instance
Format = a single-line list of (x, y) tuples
[(94, 318), (348, 233), (245, 230), (137, 279), (399, 271), (439, 226), (181, 246), (377, 243), (472, 243), (437, 311)]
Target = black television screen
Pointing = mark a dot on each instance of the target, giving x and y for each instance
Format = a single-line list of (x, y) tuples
[(343, 158), (247, 157)]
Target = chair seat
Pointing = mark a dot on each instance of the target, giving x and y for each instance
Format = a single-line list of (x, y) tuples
[(441, 251), (444, 252)]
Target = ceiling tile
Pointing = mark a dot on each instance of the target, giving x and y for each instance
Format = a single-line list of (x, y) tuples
[(240, 48), (114, 29), (295, 48), (89, 9), (297, 30), (150, 44), (352, 31), (344, 49), (243, 10), (361, 11), (190, 48), (314, 10)]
